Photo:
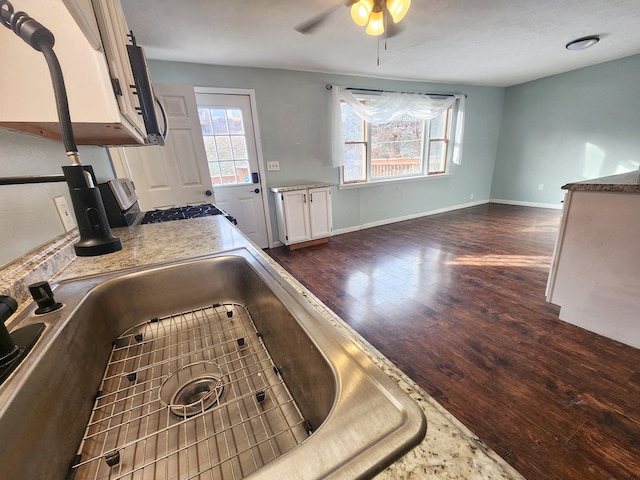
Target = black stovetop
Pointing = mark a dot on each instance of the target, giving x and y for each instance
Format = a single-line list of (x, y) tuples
[(182, 213)]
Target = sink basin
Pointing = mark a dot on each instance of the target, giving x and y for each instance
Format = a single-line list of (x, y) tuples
[(208, 368)]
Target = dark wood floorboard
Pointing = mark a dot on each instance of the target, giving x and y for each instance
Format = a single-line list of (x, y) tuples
[(457, 301)]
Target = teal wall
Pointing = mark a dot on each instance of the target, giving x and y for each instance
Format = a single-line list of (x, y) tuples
[(569, 127), (575, 126), (293, 116), (29, 217)]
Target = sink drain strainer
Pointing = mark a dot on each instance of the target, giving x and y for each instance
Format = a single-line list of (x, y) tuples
[(192, 389)]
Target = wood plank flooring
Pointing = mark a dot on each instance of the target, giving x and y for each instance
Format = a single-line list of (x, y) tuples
[(457, 301)]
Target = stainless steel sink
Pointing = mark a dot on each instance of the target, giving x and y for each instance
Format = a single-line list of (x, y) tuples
[(208, 368)]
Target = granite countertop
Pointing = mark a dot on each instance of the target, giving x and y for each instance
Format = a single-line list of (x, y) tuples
[(624, 182), (291, 188), (449, 450)]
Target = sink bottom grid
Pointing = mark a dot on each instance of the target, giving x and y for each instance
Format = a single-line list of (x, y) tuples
[(193, 395)]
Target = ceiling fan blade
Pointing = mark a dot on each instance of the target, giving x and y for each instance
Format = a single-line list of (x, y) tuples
[(316, 21)]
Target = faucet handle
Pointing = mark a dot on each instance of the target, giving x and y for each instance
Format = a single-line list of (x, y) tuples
[(14, 346), (42, 294), (8, 348), (8, 306)]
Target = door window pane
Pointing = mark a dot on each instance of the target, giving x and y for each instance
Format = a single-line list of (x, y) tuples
[(243, 174), (214, 169), (220, 126), (236, 125), (205, 121), (228, 171), (210, 148), (239, 148), (225, 144)]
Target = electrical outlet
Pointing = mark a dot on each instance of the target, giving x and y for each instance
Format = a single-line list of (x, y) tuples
[(540, 187), (64, 213), (273, 166)]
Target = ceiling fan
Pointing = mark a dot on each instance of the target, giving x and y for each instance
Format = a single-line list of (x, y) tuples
[(374, 14)]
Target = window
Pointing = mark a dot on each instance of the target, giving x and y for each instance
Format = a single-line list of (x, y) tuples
[(406, 147), (226, 145)]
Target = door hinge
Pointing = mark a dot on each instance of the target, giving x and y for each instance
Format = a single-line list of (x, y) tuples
[(116, 86)]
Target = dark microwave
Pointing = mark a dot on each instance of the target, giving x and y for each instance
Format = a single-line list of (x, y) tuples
[(146, 98)]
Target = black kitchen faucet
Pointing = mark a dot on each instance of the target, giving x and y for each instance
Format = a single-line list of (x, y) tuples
[(14, 346)]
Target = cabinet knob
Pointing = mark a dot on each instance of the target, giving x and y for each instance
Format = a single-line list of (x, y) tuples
[(255, 190), (208, 193)]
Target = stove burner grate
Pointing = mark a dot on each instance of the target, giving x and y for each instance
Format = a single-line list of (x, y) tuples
[(181, 213)]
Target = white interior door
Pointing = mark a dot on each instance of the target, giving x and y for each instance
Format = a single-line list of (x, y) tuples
[(231, 145), (177, 173)]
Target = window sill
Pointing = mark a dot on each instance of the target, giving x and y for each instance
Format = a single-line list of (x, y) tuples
[(394, 181)]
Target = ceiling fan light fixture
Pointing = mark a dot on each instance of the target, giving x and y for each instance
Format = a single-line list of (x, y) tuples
[(376, 23), (398, 9), (360, 12)]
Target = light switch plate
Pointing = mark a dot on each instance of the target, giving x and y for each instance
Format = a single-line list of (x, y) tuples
[(65, 214), (273, 166)]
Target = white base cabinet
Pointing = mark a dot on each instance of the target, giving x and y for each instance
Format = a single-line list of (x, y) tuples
[(594, 275), (303, 214)]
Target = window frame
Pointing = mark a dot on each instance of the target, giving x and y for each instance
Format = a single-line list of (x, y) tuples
[(446, 140), (425, 149)]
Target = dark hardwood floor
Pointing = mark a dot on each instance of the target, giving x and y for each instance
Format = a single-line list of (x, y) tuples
[(457, 301)]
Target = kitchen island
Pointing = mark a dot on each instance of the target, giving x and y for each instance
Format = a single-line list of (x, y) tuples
[(449, 450), (594, 276)]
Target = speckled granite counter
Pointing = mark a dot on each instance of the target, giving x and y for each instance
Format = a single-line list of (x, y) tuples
[(299, 187), (625, 182), (449, 450)]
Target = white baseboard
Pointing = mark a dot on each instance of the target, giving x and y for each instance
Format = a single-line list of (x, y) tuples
[(556, 206), (387, 221)]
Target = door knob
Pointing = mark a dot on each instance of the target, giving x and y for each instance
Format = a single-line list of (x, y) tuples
[(257, 190), (208, 193)]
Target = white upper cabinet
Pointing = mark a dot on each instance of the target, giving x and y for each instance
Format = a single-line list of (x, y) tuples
[(90, 43)]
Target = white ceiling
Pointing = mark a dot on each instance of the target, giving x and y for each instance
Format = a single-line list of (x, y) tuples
[(479, 42)]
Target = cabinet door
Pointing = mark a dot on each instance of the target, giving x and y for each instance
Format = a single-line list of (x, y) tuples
[(296, 216), (176, 173), (114, 31), (320, 212)]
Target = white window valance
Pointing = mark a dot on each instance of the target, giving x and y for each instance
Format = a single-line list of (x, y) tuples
[(385, 107)]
